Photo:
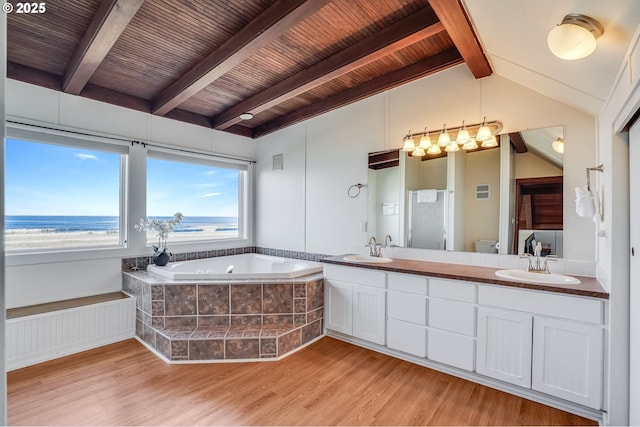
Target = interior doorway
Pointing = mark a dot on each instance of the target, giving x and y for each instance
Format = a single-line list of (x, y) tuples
[(538, 215)]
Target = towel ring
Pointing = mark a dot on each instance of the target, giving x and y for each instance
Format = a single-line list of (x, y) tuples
[(356, 193)]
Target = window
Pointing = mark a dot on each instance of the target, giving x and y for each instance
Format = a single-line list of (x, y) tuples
[(62, 194), (208, 193)]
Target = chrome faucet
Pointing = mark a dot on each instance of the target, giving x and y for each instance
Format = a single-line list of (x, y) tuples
[(538, 268), (373, 248), (387, 240)]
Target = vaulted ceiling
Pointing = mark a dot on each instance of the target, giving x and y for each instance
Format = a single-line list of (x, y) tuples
[(207, 62)]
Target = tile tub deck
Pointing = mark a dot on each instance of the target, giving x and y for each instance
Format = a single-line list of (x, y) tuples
[(226, 320)]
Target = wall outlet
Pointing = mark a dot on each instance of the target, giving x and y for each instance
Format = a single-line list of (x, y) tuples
[(363, 227)]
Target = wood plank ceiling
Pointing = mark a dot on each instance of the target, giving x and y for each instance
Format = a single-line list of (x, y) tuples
[(206, 62)]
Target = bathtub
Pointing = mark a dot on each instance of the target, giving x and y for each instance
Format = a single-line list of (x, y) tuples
[(244, 266)]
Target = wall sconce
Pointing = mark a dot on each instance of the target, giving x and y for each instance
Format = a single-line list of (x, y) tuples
[(467, 136), (575, 37)]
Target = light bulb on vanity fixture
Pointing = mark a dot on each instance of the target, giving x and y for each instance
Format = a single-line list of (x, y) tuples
[(575, 37), (444, 139), (418, 152), (408, 144), (463, 135), (484, 133), (558, 145), (425, 141), (490, 143)]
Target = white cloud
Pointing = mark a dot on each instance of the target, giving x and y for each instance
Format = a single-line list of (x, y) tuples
[(85, 156), (202, 196)]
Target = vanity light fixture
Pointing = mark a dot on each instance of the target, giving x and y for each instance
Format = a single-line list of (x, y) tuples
[(575, 37), (427, 145), (558, 145)]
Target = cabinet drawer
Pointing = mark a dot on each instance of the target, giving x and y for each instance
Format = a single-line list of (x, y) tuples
[(407, 283), (452, 316), (451, 349), (539, 302), (452, 289), (407, 337), (360, 276), (407, 307)]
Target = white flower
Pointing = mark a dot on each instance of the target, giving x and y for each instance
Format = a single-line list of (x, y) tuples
[(162, 227)]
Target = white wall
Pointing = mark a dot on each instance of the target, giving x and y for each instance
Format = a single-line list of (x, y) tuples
[(483, 167), (35, 279), (613, 243), (337, 144), (3, 72)]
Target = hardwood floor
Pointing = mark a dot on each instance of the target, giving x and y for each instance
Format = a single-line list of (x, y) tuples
[(327, 383)]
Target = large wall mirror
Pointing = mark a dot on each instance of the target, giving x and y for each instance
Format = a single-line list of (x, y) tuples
[(503, 199)]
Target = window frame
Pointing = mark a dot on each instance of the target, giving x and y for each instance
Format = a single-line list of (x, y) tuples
[(243, 168), (133, 195), (87, 142)]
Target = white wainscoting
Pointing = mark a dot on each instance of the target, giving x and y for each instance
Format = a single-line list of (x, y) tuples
[(41, 337)]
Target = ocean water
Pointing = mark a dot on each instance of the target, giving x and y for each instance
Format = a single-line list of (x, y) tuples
[(62, 224)]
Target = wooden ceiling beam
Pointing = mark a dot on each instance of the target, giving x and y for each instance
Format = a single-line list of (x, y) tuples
[(98, 93), (406, 32), (427, 66), (455, 20), (112, 18), (281, 16), (518, 142), (30, 75)]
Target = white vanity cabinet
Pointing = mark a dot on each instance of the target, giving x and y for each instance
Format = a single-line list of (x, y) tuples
[(452, 323), (356, 302), (407, 313), (552, 343), (549, 342)]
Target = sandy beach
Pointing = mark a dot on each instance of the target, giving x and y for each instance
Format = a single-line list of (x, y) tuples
[(24, 240)]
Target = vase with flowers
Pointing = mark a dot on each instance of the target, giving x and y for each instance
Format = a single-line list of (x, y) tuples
[(161, 254)]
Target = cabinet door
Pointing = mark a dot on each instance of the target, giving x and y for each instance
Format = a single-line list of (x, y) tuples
[(568, 360), (369, 314), (339, 306), (504, 345)]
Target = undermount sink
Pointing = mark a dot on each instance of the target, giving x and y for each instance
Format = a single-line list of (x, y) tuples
[(543, 278), (367, 259)]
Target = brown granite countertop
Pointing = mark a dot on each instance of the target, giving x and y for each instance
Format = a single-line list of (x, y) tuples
[(588, 286)]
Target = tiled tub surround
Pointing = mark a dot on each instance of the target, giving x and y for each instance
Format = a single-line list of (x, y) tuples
[(217, 320), (141, 263)]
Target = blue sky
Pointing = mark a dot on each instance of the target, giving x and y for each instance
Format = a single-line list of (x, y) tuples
[(46, 179)]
